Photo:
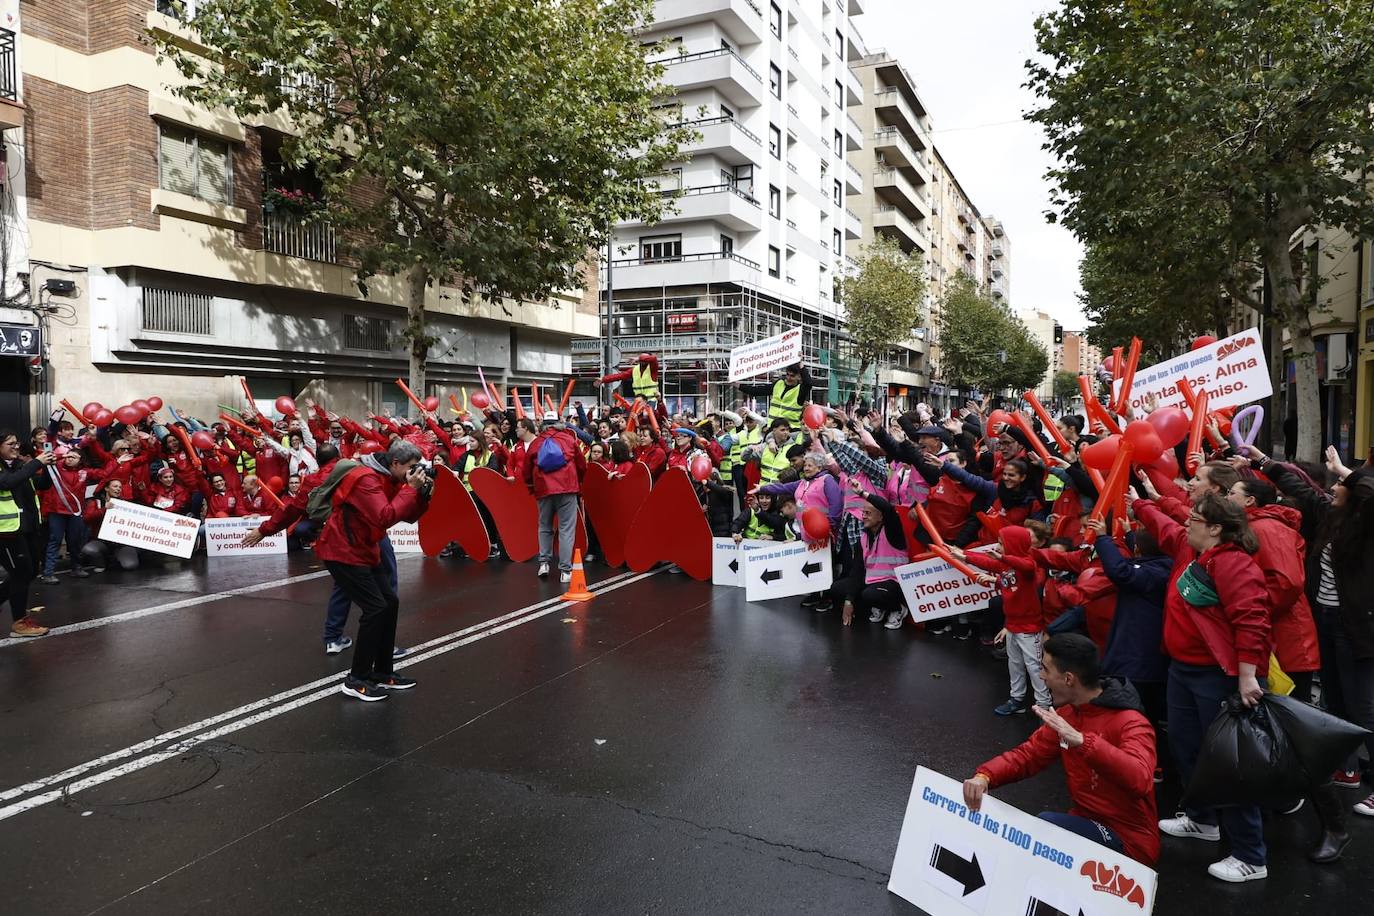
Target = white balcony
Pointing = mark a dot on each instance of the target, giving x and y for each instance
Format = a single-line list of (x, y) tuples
[(997, 249), (741, 20), (853, 134), (855, 49), (853, 181), (894, 187), (725, 138), (893, 106), (892, 222), (721, 69), (853, 226), (687, 270), (853, 89), (856, 7), (898, 152), (723, 204)]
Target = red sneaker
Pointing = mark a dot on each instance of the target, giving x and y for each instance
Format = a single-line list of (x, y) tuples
[(1346, 779)]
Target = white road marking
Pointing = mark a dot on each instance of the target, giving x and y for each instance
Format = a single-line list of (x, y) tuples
[(271, 707)]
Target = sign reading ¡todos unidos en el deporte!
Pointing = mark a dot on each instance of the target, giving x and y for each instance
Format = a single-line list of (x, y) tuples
[(762, 356), (933, 589), (1232, 372)]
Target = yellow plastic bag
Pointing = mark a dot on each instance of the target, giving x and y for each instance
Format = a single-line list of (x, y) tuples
[(1279, 682)]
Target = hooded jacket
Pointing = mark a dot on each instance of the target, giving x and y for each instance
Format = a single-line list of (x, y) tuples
[(568, 478), (363, 512), (1138, 625), (1110, 775), (1091, 589), (1280, 557), (1018, 578)]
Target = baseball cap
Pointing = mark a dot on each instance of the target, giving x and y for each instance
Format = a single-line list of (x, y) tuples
[(550, 416)]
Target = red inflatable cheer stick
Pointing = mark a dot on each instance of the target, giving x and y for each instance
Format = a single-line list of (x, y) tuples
[(1047, 421)]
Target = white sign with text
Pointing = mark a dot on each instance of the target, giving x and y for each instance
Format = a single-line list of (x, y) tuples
[(405, 537), (786, 570), (762, 356), (224, 538), (1232, 372), (996, 861), (149, 529), (934, 589), (727, 559)]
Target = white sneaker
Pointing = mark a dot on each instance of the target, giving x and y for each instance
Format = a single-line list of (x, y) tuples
[(1365, 807), (1234, 870), (894, 619), (338, 645), (543, 571), (565, 577), (875, 615), (1181, 825)]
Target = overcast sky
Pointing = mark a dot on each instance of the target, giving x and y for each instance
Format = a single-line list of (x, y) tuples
[(968, 60)]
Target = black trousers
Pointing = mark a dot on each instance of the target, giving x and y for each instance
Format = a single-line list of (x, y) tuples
[(369, 587), (886, 594), (18, 563)]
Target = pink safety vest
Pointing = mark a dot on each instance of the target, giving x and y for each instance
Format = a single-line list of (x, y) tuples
[(853, 502), (811, 495), (881, 559), (905, 486)]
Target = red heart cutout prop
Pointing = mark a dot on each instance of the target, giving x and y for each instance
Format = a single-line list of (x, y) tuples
[(453, 516), (671, 527), (611, 504), (512, 508)]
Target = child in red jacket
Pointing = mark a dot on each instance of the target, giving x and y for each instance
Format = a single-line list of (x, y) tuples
[(1018, 577)]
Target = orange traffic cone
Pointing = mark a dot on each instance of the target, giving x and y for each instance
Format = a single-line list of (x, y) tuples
[(577, 589)]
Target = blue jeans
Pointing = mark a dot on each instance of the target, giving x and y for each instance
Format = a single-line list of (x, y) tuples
[(73, 529), (1195, 697), (336, 612), (1096, 831)]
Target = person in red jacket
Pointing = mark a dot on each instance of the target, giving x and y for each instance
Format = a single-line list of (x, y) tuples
[(554, 469), (1281, 557), (649, 452), (1217, 637), (167, 494), (366, 501), (100, 554), (1099, 732), (1018, 578), (62, 504), (220, 501)]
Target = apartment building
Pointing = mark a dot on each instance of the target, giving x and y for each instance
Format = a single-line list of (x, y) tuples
[(161, 260), (1046, 330), (760, 227), (1077, 355)]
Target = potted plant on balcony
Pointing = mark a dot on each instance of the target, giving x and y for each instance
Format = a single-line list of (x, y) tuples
[(291, 201)]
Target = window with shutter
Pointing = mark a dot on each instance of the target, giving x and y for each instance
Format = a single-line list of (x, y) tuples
[(213, 179), (177, 157), (198, 166)]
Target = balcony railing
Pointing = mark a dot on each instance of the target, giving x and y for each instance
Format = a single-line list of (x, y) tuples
[(674, 259), (720, 119), (9, 89), (313, 240), (711, 189), (703, 55)]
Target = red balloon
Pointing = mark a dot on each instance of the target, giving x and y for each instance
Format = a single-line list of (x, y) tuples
[(813, 416), (431, 403), (1206, 340), (286, 406), (155, 403), (701, 467), (816, 524), (369, 447), (127, 415), (1146, 441), (1171, 425), (996, 420), (101, 417), (91, 409), (1102, 453), (274, 484), (142, 407), (1167, 462), (1108, 364), (203, 439), (479, 400)]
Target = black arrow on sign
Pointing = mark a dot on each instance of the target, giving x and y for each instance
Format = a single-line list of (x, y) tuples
[(734, 566), (771, 575), (962, 870), (1038, 907), (810, 568)]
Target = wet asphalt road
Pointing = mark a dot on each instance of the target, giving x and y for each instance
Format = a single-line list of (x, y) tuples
[(666, 748)]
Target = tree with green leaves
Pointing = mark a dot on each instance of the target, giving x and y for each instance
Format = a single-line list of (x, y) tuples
[(485, 145), (983, 345), (883, 300), (1065, 386), (1234, 123)]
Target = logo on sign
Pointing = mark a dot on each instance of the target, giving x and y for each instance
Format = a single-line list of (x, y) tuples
[(1112, 881), (1233, 346)]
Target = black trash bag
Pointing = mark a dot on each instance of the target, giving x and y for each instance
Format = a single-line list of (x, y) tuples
[(1320, 741), (1246, 759)]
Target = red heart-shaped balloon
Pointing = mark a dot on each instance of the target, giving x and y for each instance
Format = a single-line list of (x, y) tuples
[(512, 508), (671, 528), (611, 504), (453, 516)]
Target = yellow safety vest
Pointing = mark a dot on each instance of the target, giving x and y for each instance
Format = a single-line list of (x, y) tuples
[(756, 529), (785, 404), (743, 439), (9, 513), (642, 379), (771, 464), (470, 462)]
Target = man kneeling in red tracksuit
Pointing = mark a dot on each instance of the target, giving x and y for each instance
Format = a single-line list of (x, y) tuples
[(1099, 731)]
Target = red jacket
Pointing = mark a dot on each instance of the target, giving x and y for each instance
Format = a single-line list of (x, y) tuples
[(1018, 578), (93, 514), (222, 505), (366, 505), (1110, 775), (949, 506), (653, 457), (568, 478), (1282, 558), (1235, 630), (67, 495), (1092, 590), (168, 499)]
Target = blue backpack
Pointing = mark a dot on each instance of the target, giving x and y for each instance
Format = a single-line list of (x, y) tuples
[(550, 457)]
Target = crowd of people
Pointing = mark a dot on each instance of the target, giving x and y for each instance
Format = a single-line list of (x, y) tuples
[(1124, 636)]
